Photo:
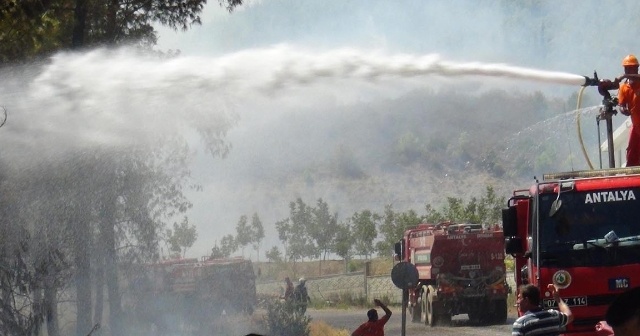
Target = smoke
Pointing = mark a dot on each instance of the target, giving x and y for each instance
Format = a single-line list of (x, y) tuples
[(285, 67), (553, 36)]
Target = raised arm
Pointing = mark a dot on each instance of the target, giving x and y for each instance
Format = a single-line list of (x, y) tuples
[(562, 306), (383, 306)]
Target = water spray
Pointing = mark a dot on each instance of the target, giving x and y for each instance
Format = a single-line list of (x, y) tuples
[(3, 117), (95, 88)]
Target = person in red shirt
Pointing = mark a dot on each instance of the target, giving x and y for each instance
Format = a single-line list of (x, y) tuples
[(628, 104), (375, 326)]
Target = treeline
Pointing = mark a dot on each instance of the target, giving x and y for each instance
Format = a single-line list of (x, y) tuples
[(32, 29), (313, 231)]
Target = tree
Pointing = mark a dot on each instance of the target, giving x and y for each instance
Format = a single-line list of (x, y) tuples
[(30, 29), (101, 200), (216, 252), (243, 233), (284, 234), (228, 245), (274, 255), (364, 230), (257, 233), (490, 206), (182, 237), (486, 210), (137, 189), (301, 220), (323, 228), (343, 244), (393, 227), (75, 207)]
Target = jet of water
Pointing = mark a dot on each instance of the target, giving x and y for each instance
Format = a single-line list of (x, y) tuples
[(106, 96)]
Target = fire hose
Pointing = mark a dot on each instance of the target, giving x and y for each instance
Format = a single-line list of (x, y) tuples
[(606, 112), (580, 138)]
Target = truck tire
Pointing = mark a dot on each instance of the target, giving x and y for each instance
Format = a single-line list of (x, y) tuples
[(423, 305), (474, 316), (499, 315), (481, 315), (416, 311), (432, 313), (444, 319)]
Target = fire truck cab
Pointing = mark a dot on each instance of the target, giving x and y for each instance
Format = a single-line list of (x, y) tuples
[(580, 231)]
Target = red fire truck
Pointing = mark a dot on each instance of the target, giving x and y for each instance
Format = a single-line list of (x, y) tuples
[(579, 231), (460, 269)]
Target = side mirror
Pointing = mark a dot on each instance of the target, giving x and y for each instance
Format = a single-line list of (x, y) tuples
[(513, 245), (397, 248), (555, 207), (510, 221)]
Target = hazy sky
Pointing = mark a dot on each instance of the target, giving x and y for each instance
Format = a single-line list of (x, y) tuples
[(552, 35), (563, 36)]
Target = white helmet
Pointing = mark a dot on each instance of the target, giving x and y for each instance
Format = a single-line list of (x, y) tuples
[(302, 280)]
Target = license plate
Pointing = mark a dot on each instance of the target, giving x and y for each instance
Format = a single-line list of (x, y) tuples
[(570, 301)]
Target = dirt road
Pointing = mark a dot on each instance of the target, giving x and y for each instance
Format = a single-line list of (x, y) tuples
[(350, 319)]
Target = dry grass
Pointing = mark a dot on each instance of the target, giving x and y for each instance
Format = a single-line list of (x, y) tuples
[(320, 328)]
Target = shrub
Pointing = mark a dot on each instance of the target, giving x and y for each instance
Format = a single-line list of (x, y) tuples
[(283, 319)]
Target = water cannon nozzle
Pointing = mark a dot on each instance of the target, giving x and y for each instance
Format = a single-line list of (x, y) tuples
[(591, 81)]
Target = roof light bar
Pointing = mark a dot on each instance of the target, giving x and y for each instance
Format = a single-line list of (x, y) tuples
[(591, 173)]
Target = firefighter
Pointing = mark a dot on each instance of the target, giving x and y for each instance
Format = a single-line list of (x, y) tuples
[(628, 103), (288, 291), (301, 296)]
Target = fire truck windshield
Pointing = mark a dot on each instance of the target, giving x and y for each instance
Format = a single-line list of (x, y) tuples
[(591, 228)]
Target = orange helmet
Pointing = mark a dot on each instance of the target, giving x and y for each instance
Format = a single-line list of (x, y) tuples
[(630, 60)]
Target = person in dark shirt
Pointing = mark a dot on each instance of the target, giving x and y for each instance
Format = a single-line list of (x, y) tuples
[(288, 291)]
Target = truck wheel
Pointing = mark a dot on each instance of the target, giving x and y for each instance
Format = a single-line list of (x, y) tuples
[(444, 319), (416, 311), (432, 314), (499, 315), (473, 316), (423, 305)]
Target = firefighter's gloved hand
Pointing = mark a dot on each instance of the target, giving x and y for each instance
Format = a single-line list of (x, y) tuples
[(623, 109)]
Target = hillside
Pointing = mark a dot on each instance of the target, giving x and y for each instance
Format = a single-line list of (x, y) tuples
[(408, 151)]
